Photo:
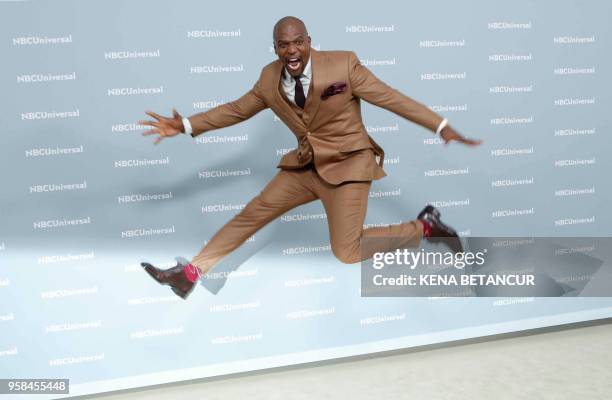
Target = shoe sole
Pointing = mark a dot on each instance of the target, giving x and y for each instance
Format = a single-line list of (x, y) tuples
[(152, 274), (182, 294)]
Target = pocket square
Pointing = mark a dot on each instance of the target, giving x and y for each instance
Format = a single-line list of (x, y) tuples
[(333, 89)]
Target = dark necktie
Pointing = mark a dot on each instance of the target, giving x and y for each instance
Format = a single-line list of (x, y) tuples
[(300, 99)]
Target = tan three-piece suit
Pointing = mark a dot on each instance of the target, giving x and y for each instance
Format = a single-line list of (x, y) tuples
[(335, 161)]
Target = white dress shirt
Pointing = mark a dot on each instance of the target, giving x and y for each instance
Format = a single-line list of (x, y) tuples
[(289, 83)]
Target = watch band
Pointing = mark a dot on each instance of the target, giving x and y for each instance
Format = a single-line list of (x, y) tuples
[(187, 125), (441, 126)]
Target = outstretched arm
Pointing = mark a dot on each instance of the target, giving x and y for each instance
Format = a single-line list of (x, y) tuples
[(367, 86), (219, 117), (229, 113)]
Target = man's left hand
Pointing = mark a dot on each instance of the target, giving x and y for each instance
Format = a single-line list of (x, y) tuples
[(448, 134)]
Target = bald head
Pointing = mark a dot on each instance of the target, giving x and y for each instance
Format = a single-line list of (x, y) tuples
[(284, 22), (292, 44)]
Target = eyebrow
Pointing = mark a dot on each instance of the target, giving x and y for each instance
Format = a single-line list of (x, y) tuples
[(280, 41)]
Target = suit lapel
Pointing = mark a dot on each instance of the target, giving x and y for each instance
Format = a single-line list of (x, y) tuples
[(317, 85), (282, 106)]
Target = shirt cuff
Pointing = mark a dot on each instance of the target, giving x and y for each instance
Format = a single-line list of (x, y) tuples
[(187, 125), (443, 123)]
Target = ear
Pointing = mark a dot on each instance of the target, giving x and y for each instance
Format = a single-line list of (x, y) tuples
[(275, 51), (309, 40)]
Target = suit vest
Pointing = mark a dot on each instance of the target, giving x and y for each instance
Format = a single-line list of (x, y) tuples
[(293, 106), (305, 151)]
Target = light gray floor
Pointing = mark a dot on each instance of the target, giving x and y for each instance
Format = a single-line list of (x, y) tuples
[(567, 364)]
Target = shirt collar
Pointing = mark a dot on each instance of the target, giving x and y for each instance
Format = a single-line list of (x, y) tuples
[(307, 71)]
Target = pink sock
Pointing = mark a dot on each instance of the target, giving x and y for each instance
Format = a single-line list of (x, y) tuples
[(426, 228), (191, 272)]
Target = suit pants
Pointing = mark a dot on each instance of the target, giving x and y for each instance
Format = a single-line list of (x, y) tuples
[(345, 205)]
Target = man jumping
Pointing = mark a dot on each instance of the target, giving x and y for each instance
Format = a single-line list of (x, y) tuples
[(317, 94)]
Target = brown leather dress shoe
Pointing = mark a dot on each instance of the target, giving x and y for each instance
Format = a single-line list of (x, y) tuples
[(440, 232), (174, 277)]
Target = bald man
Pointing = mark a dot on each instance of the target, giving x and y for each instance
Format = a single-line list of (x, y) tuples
[(317, 95)]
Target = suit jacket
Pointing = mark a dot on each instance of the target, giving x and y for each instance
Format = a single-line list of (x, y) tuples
[(331, 131)]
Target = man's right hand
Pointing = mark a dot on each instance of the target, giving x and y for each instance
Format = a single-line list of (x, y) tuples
[(164, 127)]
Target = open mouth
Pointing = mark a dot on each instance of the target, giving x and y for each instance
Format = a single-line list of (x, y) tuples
[(294, 63)]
